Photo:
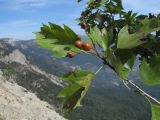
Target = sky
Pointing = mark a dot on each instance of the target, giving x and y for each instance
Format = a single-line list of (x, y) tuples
[(19, 18)]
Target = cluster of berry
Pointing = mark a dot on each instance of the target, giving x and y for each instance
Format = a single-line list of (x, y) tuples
[(81, 45)]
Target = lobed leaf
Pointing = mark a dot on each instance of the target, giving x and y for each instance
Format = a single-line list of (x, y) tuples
[(56, 39), (129, 41), (102, 39), (122, 64), (79, 82), (155, 111), (150, 71), (68, 91)]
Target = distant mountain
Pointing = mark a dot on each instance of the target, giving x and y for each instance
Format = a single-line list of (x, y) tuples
[(20, 82), (34, 68)]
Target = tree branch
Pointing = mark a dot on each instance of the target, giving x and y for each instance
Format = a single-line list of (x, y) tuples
[(95, 49), (105, 62), (99, 70), (108, 64), (142, 92)]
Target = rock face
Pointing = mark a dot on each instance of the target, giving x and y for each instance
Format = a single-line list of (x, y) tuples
[(26, 91), (15, 56), (16, 103)]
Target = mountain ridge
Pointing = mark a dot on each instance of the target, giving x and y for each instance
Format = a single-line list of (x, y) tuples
[(16, 103), (19, 80)]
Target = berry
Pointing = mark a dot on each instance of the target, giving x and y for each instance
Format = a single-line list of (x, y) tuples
[(87, 46), (71, 54), (78, 44)]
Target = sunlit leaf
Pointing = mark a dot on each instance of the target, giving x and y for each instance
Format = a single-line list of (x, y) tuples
[(151, 25), (155, 111), (128, 41), (69, 90), (57, 40), (101, 38), (150, 71)]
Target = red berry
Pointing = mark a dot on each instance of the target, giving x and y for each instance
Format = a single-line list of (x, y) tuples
[(87, 46), (71, 54), (78, 44)]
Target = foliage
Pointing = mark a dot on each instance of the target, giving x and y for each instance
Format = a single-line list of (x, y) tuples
[(79, 82), (155, 112), (117, 37), (128, 41), (7, 70), (150, 70), (56, 39), (111, 103)]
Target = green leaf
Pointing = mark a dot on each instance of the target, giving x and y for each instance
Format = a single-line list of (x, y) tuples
[(56, 39), (79, 82), (70, 33), (73, 101), (150, 71), (49, 44), (103, 1), (128, 41), (68, 91), (56, 27), (122, 64), (45, 43), (150, 25), (155, 112), (91, 2), (101, 38), (126, 57), (76, 76)]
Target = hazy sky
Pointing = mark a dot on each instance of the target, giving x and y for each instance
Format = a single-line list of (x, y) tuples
[(19, 18)]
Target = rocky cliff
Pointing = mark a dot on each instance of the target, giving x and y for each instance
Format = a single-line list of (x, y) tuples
[(26, 91), (17, 103)]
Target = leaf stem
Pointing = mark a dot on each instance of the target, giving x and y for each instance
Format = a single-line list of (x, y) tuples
[(105, 62), (126, 84), (99, 70), (90, 53), (95, 49), (142, 92), (85, 52)]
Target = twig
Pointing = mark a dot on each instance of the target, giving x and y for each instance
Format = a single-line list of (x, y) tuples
[(105, 62), (99, 70), (108, 64), (95, 49), (90, 53), (143, 92), (85, 52), (126, 84)]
